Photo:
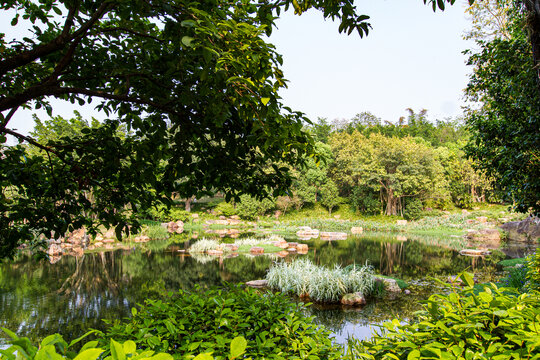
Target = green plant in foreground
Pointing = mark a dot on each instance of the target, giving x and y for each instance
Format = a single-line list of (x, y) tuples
[(495, 323), (54, 347), (188, 323), (533, 271)]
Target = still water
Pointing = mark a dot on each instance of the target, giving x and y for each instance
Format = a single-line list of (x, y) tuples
[(74, 294)]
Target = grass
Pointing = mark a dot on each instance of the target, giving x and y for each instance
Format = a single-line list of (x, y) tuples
[(512, 262), (244, 245), (303, 278)]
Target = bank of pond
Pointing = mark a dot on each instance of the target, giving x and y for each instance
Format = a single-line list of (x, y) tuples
[(74, 294)]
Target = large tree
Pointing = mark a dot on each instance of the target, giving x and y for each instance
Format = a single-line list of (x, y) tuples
[(505, 126), (195, 83)]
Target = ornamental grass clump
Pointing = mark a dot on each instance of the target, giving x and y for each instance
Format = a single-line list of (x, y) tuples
[(204, 245), (303, 278)]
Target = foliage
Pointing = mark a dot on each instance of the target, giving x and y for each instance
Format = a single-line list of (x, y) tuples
[(156, 232), (413, 209), (397, 168), (516, 278), (492, 323), (201, 322), (533, 271), (224, 208), (249, 207), (504, 129), (512, 262), (365, 200), (55, 347), (303, 278), (330, 196), (284, 203)]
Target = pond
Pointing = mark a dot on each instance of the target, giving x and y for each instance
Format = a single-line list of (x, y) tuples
[(75, 293)]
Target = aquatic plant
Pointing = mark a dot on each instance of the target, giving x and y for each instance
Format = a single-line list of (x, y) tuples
[(203, 245), (303, 278)]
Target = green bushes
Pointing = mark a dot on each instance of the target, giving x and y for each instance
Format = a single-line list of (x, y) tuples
[(491, 324), (303, 278), (249, 207), (54, 347), (189, 323), (533, 272), (225, 209), (156, 232)]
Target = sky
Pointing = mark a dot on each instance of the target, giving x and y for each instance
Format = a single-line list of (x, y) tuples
[(412, 58)]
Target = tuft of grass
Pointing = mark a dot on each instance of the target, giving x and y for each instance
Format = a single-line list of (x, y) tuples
[(303, 278)]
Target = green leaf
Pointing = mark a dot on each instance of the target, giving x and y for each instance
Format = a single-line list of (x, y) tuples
[(238, 347), (265, 100), (415, 354), (90, 354), (204, 357), (129, 347), (10, 333), (186, 40), (117, 351), (467, 278)]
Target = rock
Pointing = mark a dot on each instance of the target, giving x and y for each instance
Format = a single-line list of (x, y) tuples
[(257, 283), (109, 246), (111, 234), (482, 219), (291, 249), (484, 235), (77, 251), (407, 291), (401, 238), (401, 222), (390, 285), (352, 299), (280, 243), (195, 216), (231, 247), (357, 230), (256, 250), (91, 247), (234, 222), (54, 259), (302, 247), (108, 241), (180, 223), (145, 238), (98, 244), (474, 252), (527, 230), (333, 236), (215, 252), (283, 253), (307, 232), (293, 245), (235, 217), (464, 212), (222, 217), (469, 221), (337, 216), (54, 249), (221, 222)]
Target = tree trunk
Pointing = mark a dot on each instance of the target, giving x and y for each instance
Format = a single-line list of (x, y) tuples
[(188, 203), (533, 12), (391, 203)]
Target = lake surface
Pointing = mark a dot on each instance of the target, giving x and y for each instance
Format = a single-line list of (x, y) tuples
[(74, 294)]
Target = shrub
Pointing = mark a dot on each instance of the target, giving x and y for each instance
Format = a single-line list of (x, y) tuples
[(461, 325), (225, 209), (163, 214), (156, 232), (533, 272), (365, 201), (194, 322), (303, 278), (413, 209), (249, 207), (54, 347)]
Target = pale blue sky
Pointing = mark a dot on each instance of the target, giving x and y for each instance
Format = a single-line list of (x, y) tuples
[(411, 58)]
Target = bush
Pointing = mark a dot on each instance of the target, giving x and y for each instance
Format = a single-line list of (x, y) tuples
[(461, 325), (365, 201), (413, 209), (191, 322), (303, 278), (533, 272), (163, 214), (156, 232), (249, 207), (224, 208), (54, 347)]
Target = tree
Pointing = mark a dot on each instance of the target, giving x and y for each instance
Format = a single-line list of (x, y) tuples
[(504, 128), (330, 196), (396, 168), (195, 83)]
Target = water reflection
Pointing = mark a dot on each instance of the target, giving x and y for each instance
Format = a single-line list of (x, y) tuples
[(73, 294)]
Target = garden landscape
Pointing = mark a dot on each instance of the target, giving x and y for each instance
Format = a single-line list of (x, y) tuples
[(203, 218)]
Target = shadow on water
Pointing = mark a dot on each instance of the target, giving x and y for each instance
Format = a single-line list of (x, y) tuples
[(74, 294)]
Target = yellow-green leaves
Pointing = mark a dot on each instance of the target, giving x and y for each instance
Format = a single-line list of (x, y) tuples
[(238, 347)]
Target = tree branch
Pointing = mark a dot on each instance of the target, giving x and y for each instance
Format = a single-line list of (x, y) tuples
[(26, 57), (129, 31), (30, 141)]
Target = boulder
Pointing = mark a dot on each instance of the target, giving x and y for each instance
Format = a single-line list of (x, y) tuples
[(283, 253), (235, 217), (353, 299), (108, 241), (484, 235), (527, 230), (357, 230), (109, 246), (401, 222), (221, 222), (333, 236), (291, 249), (98, 244), (474, 252), (302, 247), (215, 252), (54, 249), (293, 245), (305, 232), (234, 222), (482, 219), (390, 285), (257, 283), (231, 247), (195, 216), (256, 250), (222, 217)]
